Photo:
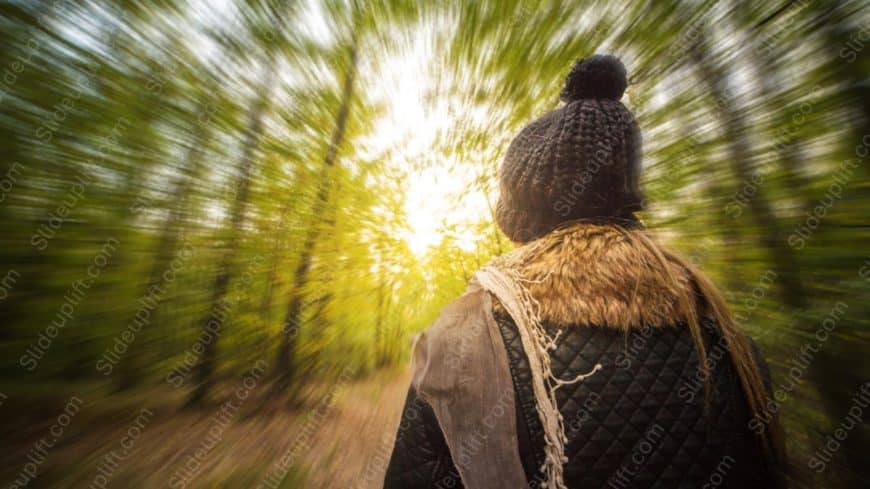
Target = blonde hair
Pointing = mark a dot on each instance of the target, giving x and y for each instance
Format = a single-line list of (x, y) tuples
[(737, 343)]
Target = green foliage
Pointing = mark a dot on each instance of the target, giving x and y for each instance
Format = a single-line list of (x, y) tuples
[(195, 137)]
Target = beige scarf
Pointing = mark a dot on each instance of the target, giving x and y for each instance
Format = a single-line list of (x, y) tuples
[(524, 310)]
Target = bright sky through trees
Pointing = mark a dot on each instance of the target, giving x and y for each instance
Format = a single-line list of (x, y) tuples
[(308, 183)]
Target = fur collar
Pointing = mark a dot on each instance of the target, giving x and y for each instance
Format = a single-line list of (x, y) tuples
[(603, 275)]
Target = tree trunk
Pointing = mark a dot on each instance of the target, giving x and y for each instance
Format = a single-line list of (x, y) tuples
[(290, 331), (167, 247), (213, 322), (833, 371), (782, 256), (766, 73), (277, 255), (380, 320)]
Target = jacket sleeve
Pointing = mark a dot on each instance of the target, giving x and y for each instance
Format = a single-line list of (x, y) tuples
[(421, 458)]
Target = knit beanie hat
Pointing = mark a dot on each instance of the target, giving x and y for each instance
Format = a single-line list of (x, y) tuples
[(578, 162)]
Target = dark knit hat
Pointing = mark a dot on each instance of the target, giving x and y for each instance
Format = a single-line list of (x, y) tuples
[(580, 161)]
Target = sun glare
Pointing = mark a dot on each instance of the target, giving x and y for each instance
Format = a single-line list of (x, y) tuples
[(433, 206), (436, 199)]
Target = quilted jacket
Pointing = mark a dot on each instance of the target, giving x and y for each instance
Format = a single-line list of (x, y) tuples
[(644, 420)]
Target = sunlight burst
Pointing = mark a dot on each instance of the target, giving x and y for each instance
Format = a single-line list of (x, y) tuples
[(437, 201)]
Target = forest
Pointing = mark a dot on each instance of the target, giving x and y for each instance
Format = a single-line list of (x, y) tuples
[(223, 221)]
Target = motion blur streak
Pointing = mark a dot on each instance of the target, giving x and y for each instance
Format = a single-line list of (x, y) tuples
[(304, 184)]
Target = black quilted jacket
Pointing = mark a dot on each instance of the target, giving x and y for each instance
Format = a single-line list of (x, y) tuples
[(640, 422)]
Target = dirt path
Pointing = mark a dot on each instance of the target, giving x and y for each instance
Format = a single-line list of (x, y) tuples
[(339, 439), (353, 448)]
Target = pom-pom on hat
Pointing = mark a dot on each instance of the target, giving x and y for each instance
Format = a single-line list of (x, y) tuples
[(578, 162)]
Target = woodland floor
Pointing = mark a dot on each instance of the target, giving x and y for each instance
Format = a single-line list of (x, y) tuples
[(343, 443)]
